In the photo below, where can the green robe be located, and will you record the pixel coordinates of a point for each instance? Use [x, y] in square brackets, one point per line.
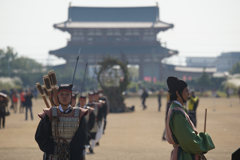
[184, 135]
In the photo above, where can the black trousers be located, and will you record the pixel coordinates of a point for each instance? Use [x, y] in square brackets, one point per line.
[2, 119]
[143, 103]
[193, 117]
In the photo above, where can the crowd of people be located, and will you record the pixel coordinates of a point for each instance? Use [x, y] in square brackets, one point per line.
[19, 101]
[74, 123]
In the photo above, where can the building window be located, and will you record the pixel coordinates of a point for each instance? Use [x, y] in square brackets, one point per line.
[149, 38]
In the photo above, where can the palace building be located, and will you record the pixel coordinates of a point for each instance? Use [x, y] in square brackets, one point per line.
[126, 33]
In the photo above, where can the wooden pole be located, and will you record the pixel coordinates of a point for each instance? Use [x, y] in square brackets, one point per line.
[45, 101]
[53, 80]
[84, 77]
[205, 120]
[47, 83]
[40, 89]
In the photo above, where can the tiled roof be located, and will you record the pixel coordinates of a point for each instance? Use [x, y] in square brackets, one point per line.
[113, 14]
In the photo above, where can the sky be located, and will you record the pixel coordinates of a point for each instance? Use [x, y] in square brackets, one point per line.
[201, 27]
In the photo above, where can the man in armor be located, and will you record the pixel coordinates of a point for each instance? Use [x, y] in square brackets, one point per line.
[82, 100]
[93, 126]
[62, 130]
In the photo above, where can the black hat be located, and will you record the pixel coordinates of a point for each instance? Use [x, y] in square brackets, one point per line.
[90, 93]
[65, 87]
[100, 91]
[82, 97]
[3, 95]
[174, 84]
[236, 154]
[95, 92]
[74, 94]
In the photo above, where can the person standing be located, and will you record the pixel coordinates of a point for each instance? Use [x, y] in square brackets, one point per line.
[144, 97]
[82, 100]
[228, 92]
[15, 101]
[192, 107]
[22, 101]
[188, 144]
[105, 108]
[28, 104]
[100, 117]
[239, 94]
[62, 131]
[159, 95]
[93, 123]
[3, 106]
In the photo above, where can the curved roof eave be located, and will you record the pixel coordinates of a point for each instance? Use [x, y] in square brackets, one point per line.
[67, 25]
[62, 52]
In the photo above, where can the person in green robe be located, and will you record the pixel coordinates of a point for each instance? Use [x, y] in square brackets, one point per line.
[188, 144]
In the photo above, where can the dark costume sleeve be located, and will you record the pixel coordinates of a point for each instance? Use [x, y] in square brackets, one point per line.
[100, 114]
[43, 136]
[91, 121]
[79, 140]
[105, 110]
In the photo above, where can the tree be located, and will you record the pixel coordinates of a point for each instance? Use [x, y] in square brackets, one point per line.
[28, 70]
[6, 60]
[113, 78]
[236, 68]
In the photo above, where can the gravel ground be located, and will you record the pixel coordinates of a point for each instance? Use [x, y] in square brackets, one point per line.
[131, 136]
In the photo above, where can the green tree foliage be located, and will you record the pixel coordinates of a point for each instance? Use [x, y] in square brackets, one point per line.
[26, 65]
[236, 68]
[7, 58]
[28, 70]
[206, 82]
[64, 74]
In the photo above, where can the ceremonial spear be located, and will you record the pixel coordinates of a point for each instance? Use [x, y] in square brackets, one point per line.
[205, 120]
[84, 77]
[73, 78]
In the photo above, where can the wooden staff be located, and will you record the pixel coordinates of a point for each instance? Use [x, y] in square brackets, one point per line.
[45, 90]
[75, 67]
[47, 83]
[48, 94]
[205, 120]
[84, 77]
[39, 87]
[53, 81]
